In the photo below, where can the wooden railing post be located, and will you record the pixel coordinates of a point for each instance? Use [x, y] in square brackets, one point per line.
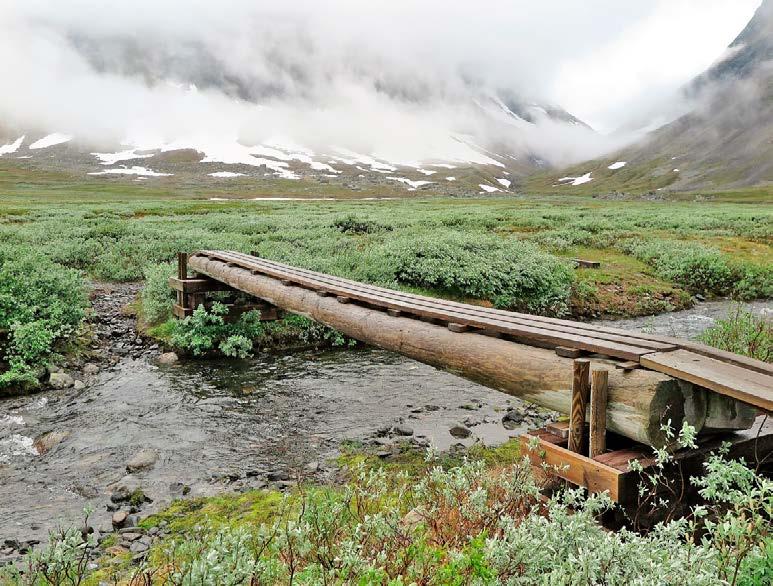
[580, 392]
[182, 274]
[598, 412]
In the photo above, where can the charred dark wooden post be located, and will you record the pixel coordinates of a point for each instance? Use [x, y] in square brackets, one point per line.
[598, 412]
[580, 392]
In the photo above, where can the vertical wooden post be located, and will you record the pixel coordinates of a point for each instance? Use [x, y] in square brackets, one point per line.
[182, 274]
[182, 265]
[580, 392]
[598, 412]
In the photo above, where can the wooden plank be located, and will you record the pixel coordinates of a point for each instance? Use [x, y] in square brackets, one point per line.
[627, 365]
[524, 332]
[727, 379]
[580, 391]
[559, 428]
[315, 279]
[587, 264]
[576, 468]
[197, 285]
[568, 352]
[598, 412]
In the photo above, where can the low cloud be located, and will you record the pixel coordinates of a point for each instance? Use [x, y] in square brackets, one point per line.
[400, 77]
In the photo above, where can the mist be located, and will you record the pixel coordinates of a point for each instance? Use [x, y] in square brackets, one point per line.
[399, 79]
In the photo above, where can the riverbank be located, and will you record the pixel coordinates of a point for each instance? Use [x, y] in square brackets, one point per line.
[199, 428]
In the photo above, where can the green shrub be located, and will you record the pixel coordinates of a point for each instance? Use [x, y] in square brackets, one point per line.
[157, 297]
[512, 274]
[742, 332]
[467, 524]
[696, 267]
[41, 305]
[207, 331]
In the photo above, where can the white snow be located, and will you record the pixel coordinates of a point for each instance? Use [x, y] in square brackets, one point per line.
[444, 165]
[113, 158]
[225, 174]
[577, 180]
[50, 140]
[618, 165]
[351, 158]
[488, 188]
[426, 172]
[450, 178]
[11, 147]
[676, 170]
[131, 171]
[413, 184]
[317, 166]
[504, 182]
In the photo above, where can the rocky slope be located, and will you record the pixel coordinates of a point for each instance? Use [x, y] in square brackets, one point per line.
[725, 142]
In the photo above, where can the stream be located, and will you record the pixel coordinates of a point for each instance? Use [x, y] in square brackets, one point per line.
[203, 427]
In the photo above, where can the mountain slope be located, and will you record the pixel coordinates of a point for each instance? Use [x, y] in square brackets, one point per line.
[724, 143]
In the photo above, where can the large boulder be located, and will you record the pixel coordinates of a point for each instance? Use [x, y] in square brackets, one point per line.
[60, 380]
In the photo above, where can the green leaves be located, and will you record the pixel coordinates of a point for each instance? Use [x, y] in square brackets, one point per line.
[206, 331]
[41, 305]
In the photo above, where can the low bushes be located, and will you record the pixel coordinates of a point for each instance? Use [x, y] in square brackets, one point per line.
[511, 274]
[41, 305]
[702, 269]
[467, 524]
[743, 333]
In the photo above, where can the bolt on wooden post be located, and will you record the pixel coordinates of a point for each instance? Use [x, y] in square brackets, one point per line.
[598, 412]
[580, 392]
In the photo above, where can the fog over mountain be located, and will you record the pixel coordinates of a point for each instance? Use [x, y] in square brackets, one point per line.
[404, 81]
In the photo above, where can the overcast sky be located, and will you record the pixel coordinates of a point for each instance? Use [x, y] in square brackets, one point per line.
[113, 66]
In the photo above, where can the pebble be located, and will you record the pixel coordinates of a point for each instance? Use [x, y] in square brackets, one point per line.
[119, 518]
[90, 369]
[142, 460]
[403, 430]
[60, 380]
[168, 358]
[460, 431]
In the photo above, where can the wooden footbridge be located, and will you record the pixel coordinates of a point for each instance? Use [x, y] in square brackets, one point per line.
[640, 381]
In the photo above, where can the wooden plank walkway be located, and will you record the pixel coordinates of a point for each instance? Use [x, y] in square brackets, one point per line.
[748, 380]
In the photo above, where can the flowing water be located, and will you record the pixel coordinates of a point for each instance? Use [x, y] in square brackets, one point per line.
[217, 425]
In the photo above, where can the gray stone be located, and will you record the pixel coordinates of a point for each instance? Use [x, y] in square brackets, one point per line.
[79, 385]
[60, 380]
[48, 441]
[142, 460]
[90, 369]
[460, 431]
[402, 430]
[168, 358]
[138, 547]
[119, 519]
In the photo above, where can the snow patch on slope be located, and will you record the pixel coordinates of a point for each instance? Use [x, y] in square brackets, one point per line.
[618, 165]
[11, 147]
[131, 171]
[577, 180]
[50, 140]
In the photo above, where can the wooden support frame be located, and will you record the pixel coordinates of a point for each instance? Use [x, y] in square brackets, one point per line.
[546, 448]
[598, 412]
[580, 393]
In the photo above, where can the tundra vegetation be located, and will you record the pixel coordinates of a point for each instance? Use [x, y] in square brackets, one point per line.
[476, 521]
[510, 253]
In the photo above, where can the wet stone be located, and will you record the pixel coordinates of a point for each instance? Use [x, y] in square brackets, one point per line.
[460, 431]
